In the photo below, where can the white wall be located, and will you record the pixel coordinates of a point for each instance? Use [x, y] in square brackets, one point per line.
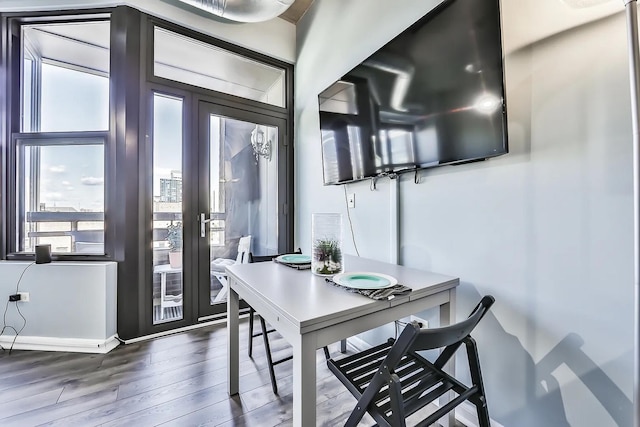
[546, 229]
[71, 307]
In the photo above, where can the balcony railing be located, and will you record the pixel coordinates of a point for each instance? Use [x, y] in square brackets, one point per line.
[83, 232]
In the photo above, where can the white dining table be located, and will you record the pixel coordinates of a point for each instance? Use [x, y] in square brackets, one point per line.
[311, 313]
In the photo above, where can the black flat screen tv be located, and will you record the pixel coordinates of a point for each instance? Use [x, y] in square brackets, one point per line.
[432, 96]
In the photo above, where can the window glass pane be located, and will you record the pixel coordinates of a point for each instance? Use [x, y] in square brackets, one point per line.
[65, 83]
[73, 100]
[167, 208]
[190, 61]
[243, 185]
[62, 186]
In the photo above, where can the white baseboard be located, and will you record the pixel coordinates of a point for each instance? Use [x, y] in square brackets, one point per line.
[76, 345]
[467, 415]
[177, 330]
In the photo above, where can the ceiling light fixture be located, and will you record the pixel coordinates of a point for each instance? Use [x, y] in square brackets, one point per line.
[243, 10]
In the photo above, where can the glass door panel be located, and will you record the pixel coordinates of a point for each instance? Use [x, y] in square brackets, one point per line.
[167, 241]
[241, 201]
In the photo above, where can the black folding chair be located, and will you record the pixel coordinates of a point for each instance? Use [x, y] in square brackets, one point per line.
[265, 332]
[392, 381]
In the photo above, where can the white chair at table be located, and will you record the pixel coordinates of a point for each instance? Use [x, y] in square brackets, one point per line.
[218, 266]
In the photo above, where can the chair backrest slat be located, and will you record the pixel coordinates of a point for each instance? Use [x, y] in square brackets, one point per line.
[244, 248]
[433, 338]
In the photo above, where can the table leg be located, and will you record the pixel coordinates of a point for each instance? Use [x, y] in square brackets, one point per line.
[163, 292]
[304, 381]
[233, 343]
[448, 317]
[343, 346]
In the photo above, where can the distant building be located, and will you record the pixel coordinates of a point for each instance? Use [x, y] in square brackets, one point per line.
[171, 188]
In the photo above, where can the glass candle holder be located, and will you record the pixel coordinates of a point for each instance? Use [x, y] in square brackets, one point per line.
[326, 240]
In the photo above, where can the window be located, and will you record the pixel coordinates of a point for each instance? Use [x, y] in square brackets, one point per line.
[190, 61]
[61, 186]
[167, 208]
[65, 83]
[60, 152]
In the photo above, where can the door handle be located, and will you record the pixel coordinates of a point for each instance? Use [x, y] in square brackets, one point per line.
[203, 224]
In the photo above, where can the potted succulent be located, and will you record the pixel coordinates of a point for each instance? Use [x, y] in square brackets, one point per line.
[326, 238]
[174, 239]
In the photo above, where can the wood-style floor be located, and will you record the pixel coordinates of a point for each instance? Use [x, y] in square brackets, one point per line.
[178, 380]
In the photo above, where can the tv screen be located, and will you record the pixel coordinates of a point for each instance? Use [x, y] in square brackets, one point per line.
[434, 95]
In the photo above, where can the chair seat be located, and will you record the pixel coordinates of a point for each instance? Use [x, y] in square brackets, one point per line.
[218, 265]
[170, 297]
[417, 376]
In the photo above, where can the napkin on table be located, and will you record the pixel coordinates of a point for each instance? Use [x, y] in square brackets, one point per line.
[377, 294]
[305, 266]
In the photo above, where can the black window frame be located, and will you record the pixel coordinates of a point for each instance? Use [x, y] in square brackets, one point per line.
[49, 139]
[11, 76]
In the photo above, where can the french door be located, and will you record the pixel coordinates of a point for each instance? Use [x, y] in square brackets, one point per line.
[227, 185]
[238, 194]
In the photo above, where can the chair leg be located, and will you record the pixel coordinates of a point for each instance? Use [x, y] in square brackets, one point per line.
[222, 295]
[343, 349]
[327, 356]
[267, 349]
[395, 394]
[476, 378]
[251, 312]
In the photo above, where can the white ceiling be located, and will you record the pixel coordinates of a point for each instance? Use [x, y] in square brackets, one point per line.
[84, 44]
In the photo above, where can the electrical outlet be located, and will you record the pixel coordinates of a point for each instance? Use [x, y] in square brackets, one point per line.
[351, 200]
[423, 323]
[24, 296]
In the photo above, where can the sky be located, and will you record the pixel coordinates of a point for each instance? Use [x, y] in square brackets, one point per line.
[167, 138]
[73, 176]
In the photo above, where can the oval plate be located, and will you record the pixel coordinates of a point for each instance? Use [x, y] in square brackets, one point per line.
[364, 280]
[294, 259]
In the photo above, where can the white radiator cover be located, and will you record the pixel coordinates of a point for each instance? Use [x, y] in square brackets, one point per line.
[72, 305]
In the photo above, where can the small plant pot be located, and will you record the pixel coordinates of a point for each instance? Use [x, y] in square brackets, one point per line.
[175, 259]
[326, 254]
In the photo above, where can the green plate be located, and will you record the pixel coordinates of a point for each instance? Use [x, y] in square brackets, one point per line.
[364, 280]
[294, 259]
